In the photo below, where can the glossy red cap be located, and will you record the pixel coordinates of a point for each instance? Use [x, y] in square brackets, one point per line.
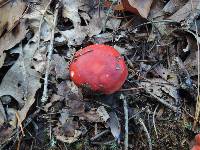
[99, 67]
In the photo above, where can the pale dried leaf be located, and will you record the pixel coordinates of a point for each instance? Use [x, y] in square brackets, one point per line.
[64, 116]
[143, 6]
[185, 11]
[10, 39]
[39, 61]
[70, 11]
[35, 17]
[173, 5]
[166, 74]
[2, 114]
[77, 35]
[21, 81]
[14, 11]
[59, 66]
[11, 116]
[69, 139]
[103, 113]
[74, 36]
[114, 125]
[160, 87]
[2, 58]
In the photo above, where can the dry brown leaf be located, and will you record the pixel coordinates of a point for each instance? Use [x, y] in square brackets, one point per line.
[143, 6]
[11, 12]
[10, 39]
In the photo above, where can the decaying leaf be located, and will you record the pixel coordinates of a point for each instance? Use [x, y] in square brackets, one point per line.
[143, 6]
[167, 74]
[22, 81]
[160, 87]
[68, 131]
[5, 133]
[78, 108]
[63, 138]
[103, 113]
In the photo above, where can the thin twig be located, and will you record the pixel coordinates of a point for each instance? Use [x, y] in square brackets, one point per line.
[163, 102]
[147, 133]
[50, 51]
[126, 122]
[99, 135]
[40, 24]
[131, 89]
[20, 123]
[154, 124]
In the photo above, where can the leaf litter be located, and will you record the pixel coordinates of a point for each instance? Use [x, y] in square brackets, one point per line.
[158, 40]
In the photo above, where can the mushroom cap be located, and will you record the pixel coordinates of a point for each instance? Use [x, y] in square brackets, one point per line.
[99, 67]
[196, 147]
[197, 139]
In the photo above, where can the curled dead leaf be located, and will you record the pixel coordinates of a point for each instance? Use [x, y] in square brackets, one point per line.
[138, 6]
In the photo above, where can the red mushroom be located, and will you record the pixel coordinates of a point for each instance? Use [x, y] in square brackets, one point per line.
[99, 67]
[197, 143]
[196, 147]
[197, 139]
